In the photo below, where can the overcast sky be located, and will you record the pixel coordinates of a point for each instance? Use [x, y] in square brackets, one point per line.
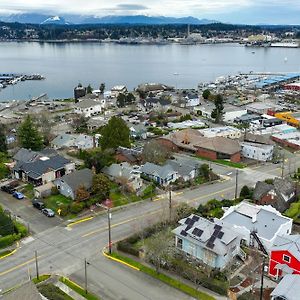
[234, 11]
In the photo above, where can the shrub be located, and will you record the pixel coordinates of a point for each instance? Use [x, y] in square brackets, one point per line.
[21, 229]
[54, 191]
[8, 240]
[6, 225]
[53, 292]
[64, 209]
[76, 207]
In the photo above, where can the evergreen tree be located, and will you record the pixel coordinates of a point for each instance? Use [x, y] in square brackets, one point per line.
[28, 135]
[218, 110]
[114, 134]
[89, 89]
[121, 100]
[3, 144]
[102, 88]
[206, 94]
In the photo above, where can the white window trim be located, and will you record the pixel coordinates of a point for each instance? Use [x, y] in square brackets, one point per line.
[286, 256]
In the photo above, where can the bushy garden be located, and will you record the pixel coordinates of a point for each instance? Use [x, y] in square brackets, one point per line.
[10, 230]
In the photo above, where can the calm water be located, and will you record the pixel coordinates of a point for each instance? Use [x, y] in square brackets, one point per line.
[65, 65]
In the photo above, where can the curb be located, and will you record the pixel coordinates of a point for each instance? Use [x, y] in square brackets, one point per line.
[118, 260]
[80, 221]
[12, 252]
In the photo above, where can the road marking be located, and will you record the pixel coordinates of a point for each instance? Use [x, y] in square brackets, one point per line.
[178, 193]
[80, 221]
[12, 252]
[119, 260]
[18, 266]
[120, 223]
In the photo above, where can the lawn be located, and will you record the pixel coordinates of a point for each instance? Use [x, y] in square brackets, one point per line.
[54, 201]
[224, 162]
[41, 278]
[27, 190]
[119, 198]
[52, 292]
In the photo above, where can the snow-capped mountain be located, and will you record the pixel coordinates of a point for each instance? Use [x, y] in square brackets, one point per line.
[55, 20]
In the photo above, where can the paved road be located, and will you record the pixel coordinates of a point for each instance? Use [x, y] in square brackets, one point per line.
[62, 250]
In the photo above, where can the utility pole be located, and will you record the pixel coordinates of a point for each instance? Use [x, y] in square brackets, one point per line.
[236, 183]
[262, 279]
[36, 266]
[85, 276]
[109, 230]
[170, 203]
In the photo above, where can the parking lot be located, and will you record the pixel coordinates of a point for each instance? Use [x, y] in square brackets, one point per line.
[33, 217]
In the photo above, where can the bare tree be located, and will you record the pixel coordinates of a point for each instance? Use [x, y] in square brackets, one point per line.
[155, 152]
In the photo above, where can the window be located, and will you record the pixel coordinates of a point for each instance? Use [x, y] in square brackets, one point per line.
[286, 258]
[179, 243]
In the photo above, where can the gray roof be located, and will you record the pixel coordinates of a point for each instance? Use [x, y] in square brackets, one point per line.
[261, 189]
[37, 168]
[26, 291]
[87, 103]
[290, 243]
[284, 186]
[207, 234]
[118, 170]
[156, 170]
[78, 178]
[256, 217]
[288, 288]
[183, 166]
[26, 155]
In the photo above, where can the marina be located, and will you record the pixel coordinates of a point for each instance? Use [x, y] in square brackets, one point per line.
[12, 78]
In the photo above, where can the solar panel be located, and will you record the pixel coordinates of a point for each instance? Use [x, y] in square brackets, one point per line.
[212, 239]
[184, 233]
[215, 233]
[195, 231]
[218, 227]
[220, 234]
[199, 232]
[195, 218]
[210, 245]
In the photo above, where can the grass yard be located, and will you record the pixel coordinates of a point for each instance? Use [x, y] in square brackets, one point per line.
[225, 162]
[27, 190]
[119, 198]
[54, 201]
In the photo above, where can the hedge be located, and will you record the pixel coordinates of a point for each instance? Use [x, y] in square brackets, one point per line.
[21, 229]
[8, 240]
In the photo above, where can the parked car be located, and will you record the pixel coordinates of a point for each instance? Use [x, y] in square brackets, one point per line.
[18, 195]
[38, 204]
[48, 212]
[8, 189]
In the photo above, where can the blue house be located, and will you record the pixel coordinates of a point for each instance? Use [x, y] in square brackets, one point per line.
[212, 243]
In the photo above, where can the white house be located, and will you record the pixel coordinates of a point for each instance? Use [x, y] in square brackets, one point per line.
[264, 220]
[77, 141]
[118, 89]
[89, 107]
[255, 151]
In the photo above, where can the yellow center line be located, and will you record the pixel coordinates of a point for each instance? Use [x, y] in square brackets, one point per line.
[18, 266]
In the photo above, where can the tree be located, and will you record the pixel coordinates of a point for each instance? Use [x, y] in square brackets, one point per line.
[44, 124]
[3, 144]
[89, 89]
[245, 192]
[130, 98]
[6, 224]
[218, 110]
[155, 152]
[204, 171]
[102, 87]
[98, 159]
[116, 133]
[82, 194]
[80, 124]
[101, 186]
[205, 94]
[121, 100]
[28, 135]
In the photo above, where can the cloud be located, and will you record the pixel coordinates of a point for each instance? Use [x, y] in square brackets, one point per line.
[131, 7]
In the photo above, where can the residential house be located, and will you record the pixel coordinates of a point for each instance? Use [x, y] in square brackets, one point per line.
[279, 194]
[125, 174]
[260, 152]
[76, 141]
[285, 256]
[265, 221]
[138, 131]
[89, 107]
[42, 169]
[287, 289]
[130, 155]
[190, 100]
[153, 87]
[157, 104]
[118, 89]
[213, 244]
[70, 183]
[163, 175]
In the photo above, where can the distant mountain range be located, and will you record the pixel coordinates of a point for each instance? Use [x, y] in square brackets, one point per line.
[30, 18]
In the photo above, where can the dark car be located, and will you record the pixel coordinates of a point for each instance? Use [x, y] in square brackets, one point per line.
[48, 212]
[8, 189]
[38, 204]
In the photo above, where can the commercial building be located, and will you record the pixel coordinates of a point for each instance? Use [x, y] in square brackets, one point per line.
[89, 107]
[291, 139]
[295, 86]
[118, 89]
[256, 151]
[224, 131]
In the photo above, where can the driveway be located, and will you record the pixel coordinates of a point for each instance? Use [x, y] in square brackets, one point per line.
[34, 218]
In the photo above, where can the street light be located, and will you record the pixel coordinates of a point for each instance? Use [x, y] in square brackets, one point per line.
[109, 225]
[85, 275]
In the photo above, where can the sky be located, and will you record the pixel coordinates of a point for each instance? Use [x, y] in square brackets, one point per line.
[233, 11]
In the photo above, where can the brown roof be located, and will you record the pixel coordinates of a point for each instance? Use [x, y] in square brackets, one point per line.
[185, 138]
[219, 144]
